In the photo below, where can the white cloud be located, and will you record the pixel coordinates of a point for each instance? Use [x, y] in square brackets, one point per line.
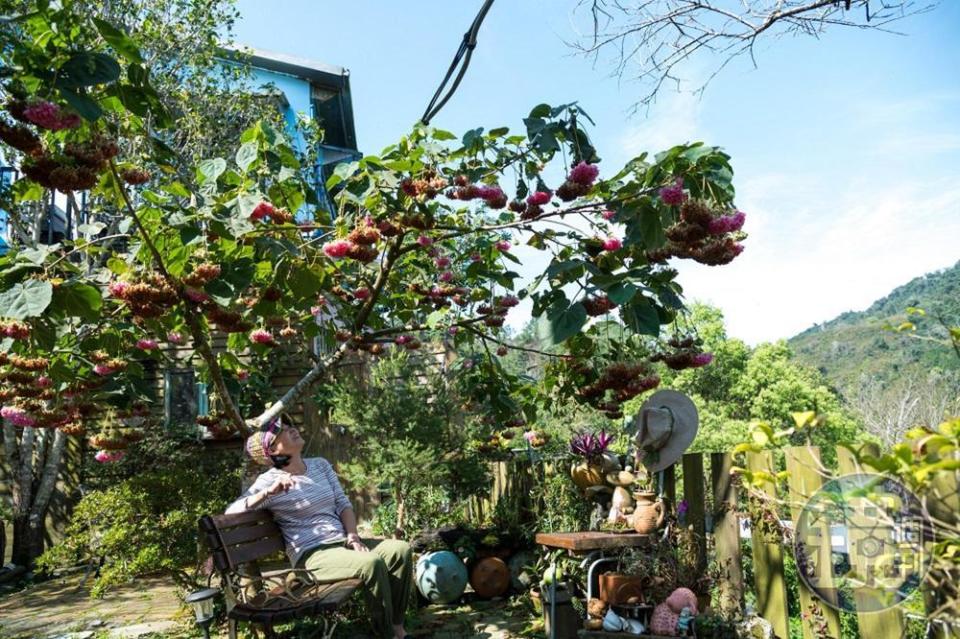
[675, 119]
[810, 257]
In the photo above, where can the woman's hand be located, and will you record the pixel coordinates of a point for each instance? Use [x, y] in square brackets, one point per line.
[355, 543]
[282, 485]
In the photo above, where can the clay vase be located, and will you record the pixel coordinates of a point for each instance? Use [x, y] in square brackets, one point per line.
[648, 514]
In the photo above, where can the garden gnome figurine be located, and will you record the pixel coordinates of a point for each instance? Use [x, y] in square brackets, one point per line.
[622, 505]
[683, 623]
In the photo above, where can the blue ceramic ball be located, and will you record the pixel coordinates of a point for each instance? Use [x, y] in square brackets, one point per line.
[441, 576]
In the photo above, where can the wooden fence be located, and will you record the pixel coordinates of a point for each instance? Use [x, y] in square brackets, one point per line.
[715, 507]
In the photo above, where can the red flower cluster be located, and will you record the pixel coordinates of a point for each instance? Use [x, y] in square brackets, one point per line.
[147, 297]
[624, 381]
[702, 235]
[598, 305]
[466, 191]
[135, 176]
[77, 169]
[14, 330]
[686, 353]
[428, 186]
[202, 274]
[45, 115]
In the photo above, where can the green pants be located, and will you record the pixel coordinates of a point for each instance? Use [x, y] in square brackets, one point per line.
[386, 572]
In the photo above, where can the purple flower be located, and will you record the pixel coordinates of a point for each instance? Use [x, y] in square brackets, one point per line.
[590, 446]
[701, 359]
[673, 195]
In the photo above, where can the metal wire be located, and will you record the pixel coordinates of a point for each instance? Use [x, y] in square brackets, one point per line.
[464, 54]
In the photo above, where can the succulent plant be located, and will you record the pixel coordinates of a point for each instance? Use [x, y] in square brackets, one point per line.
[590, 446]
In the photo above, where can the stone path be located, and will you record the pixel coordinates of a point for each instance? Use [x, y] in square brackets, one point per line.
[59, 609]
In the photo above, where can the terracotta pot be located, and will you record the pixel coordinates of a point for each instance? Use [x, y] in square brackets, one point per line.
[618, 589]
[648, 513]
[490, 577]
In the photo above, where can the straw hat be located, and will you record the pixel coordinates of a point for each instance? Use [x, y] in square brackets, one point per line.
[665, 427]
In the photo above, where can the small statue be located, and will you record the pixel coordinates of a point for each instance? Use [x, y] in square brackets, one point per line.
[622, 504]
[683, 623]
[666, 617]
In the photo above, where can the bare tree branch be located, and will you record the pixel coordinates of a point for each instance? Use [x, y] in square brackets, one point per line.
[651, 40]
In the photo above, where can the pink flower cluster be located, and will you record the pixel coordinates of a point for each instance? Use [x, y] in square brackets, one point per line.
[727, 223]
[243, 374]
[118, 289]
[491, 193]
[701, 359]
[612, 244]
[17, 416]
[403, 339]
[362, 293]
[104, 369]
[337, 248]
[109, 456]
[446, 276]
[49, 116]
[424, 241]
[44, 382]
[673, 195]
[174, 337]
[608, 215]
[503, 245]
[147, 344]
[195, 295]
[262, 336]
[538, 198]
[262, 211]
[442, 262]
[508, 301]
[15, 330]
[584, 173]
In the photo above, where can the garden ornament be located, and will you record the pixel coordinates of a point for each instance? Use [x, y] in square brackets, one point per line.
[622, 504]
[665, 428]
[441, 577]
[612, 622]
[683, 624]
[666, 616]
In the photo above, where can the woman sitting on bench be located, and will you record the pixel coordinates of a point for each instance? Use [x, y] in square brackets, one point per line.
[320, 528]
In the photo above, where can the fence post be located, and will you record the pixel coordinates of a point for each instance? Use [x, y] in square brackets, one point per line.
[889, 622]
[726, 532]
[768, 575]
[806, 477]
[942, 499]
[694, 493]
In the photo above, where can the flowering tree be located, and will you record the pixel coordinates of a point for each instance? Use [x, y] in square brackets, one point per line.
[420, 245]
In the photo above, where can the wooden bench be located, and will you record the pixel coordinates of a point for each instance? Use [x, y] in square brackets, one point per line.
[238, 542]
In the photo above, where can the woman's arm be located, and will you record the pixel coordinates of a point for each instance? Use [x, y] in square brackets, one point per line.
[261, 490]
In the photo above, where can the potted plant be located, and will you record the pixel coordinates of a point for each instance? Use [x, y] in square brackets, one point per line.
[594, 461]
[713, 626]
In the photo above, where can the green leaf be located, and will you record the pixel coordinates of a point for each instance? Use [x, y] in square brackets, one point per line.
[87, 69]
[641, 316]
[210, 170]
[434, 318]
[246, 155]
[568, 323]
[441, 135]
[83, 105]
[29, 299]
[304, 282]
[37, 255]
[78, 300]
[622, 293]
[120, 41]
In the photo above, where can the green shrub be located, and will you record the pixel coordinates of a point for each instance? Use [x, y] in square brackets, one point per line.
[146, 521]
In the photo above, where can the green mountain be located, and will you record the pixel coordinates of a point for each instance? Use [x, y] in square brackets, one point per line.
[858, 344]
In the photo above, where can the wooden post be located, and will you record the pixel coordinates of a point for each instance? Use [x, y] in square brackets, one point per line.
[768, 575]
[726, 532]
[942, 499]
[889, 622]
[803, 463]
[694, 492]
[669, 488]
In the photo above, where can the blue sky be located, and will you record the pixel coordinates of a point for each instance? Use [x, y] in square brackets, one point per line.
[846, 149]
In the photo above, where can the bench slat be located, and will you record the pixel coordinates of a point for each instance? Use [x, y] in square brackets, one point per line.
[246, 534]
[244, 553]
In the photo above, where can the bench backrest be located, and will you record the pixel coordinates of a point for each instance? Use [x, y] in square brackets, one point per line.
[241, 538]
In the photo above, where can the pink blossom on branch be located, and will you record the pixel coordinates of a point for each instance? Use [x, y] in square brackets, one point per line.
[17, 416]
[503, 245]
[727, 223]
[109, 456]
[262, 336]
[446, 276]
[147, 344]
[424, 241]
[673, 195]
[701, 359]
[612, 244]
[174, 338]
[538, 198]
[584, 173]
[337, 248]
[48, 115]
[442, 262]
[608, 215]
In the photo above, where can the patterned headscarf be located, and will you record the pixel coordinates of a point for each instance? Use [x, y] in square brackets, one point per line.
[258, 444]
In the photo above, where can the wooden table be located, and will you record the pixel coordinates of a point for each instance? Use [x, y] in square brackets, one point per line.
[580, 543]
[594, 545]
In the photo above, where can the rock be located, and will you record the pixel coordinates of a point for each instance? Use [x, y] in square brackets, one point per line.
[755, 628]
[161, 628]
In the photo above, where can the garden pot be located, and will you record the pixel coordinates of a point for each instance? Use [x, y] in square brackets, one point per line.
[648, 513]
[618, 589]
[593, 473]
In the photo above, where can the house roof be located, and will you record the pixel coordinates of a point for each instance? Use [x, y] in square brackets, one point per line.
[325, 74]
